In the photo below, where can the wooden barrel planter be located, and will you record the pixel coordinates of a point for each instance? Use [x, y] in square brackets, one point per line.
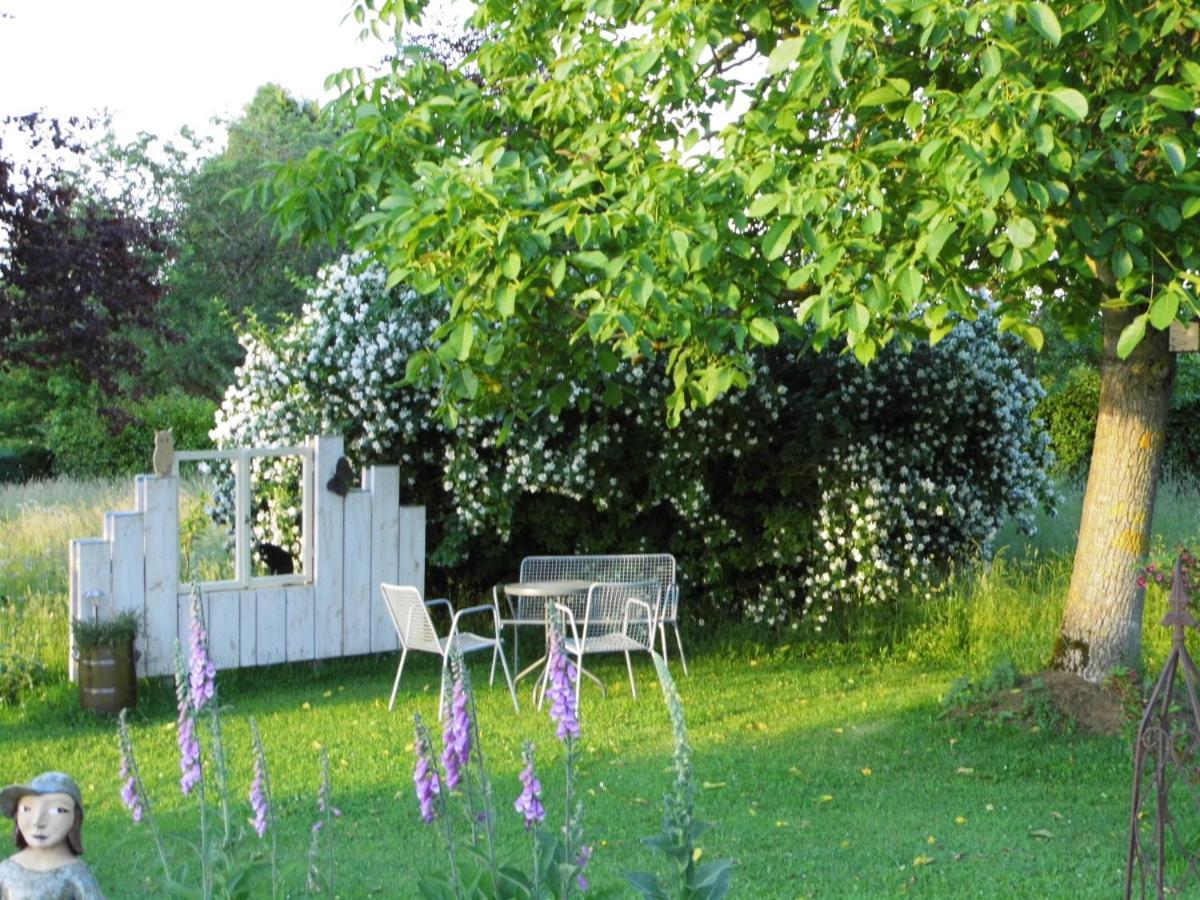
[106, 662]
[107, 678]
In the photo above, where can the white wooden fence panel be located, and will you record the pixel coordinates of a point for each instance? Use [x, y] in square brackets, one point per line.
[248, 623]
[92, 562]
[356, 575]
[270, 627]
[358, 542]
[412, 548]
[329, 524]
[384, 485]
[301, 622]
[125, 534]
[223, 611]
[158, 501]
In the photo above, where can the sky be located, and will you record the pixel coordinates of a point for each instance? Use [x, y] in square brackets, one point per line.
[159, 64]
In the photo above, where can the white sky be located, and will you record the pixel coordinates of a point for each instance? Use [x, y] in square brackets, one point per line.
[159, 64]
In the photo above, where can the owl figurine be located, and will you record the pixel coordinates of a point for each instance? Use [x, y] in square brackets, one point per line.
[164, 453]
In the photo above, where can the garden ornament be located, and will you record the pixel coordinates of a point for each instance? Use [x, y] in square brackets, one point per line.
[48, 817]
[164, 453]
[343, 477]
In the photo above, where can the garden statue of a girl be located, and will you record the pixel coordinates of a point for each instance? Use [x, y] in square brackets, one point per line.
[48, 814]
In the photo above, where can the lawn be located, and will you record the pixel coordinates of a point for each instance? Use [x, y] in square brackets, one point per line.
[828, 769]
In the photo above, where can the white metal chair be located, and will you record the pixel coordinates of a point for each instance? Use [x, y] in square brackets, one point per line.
[618, 617]
[658, 567]
[668, 614]
[416, 631]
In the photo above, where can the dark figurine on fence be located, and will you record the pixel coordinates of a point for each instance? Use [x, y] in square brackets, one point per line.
[343, 477]
[277, 560]
[48, 826]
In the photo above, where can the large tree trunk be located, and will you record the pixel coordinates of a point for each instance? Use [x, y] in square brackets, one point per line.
[1102, 624]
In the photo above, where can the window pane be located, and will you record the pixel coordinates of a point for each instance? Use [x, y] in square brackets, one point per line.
[206, 504]
[276, 515]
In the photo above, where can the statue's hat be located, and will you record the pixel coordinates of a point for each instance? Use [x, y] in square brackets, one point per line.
[46, 783]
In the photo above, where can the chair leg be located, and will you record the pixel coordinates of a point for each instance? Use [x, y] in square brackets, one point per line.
[396, 683]
[442, 688]
[629, 666]
[512, 688]
[495, 652]
[662, 633]
[578, 681]
[678, 643]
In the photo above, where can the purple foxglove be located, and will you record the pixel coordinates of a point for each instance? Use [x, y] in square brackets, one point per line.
[426, 780]
[561, 690]
[529, 803]
[457, 736]
[201, 670]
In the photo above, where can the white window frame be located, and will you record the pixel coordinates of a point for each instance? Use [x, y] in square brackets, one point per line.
[241, 457]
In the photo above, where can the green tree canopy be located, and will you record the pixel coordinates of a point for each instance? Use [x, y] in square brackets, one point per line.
[886, 163]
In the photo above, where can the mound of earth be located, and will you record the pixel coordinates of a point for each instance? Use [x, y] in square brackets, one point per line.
[1055, 699]
[1095, 709]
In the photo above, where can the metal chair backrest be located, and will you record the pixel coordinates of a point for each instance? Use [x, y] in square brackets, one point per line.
[659, 567]
[608, 604]
[410, 615]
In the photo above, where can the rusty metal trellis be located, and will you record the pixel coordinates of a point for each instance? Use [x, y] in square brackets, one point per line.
[1164, 818]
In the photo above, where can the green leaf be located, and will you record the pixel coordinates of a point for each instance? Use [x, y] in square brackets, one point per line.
[908, 283]
[761, 173]
[1021, 232]
[764, 331]
[864, 350]
[880, 96]
[1068, 102]
[777, 238]
[1174, 98]
[506, 299]
[459, 342]
[1044, 21]
[858, 317]
[989, 61]
[557, 271]
[1174, 153]
[1131, 336]
[1164, 309]
[511, 266]
[679, 245]
[592, 259]
[1191, 206]
[937, 240]
[643, 287]
[784, 55]
[763, 205]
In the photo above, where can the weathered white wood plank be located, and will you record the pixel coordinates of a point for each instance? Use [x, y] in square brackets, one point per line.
[158, 501]
[223, 610]
[328, 527]
[91, 586]
[126, 534]
[384, 484]
[248, 623]
[412, 548]
[301, 618]
[270, 626]
[356, 575]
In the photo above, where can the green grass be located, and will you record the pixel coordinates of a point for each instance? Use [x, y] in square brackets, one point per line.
[827, 768]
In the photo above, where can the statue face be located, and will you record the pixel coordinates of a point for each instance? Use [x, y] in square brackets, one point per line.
[45, 819]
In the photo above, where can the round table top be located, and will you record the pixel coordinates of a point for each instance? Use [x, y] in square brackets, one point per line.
[558, 588]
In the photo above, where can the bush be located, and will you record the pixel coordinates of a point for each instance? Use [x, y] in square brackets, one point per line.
[821, 484]
[80, 437]
[1069, 412]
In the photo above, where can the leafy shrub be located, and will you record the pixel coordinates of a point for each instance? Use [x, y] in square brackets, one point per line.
[115, 632]
[19, 675]
[1069, 413]
[78, 430]
[820, 484]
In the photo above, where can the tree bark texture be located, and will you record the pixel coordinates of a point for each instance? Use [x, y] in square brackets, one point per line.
[1102, 624]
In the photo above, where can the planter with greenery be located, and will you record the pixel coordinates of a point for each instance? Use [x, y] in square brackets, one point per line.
[104, 650]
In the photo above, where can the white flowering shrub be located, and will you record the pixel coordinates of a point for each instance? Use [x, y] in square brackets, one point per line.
[820, 485]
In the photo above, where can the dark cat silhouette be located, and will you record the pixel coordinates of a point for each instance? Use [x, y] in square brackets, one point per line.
[343, 477]
[278, 561]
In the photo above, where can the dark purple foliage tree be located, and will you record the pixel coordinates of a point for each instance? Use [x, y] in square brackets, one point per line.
[79, 274]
